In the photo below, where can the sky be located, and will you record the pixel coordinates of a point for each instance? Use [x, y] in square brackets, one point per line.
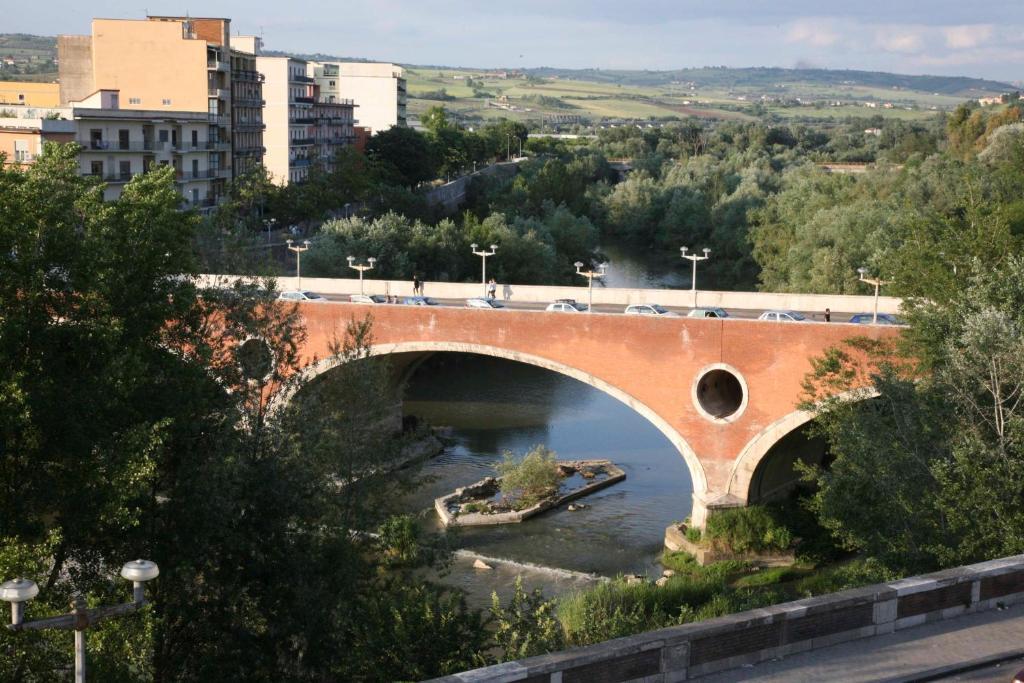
[983, 38]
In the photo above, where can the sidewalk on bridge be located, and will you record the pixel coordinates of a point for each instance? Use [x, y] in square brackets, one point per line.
[929, 652]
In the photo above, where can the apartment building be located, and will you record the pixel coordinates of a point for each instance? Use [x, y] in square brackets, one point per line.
[288, 114]
[333, 128]
[117, 144]
[162, 64]
[379, 90]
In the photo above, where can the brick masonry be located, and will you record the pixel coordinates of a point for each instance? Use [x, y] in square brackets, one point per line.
[686, 652]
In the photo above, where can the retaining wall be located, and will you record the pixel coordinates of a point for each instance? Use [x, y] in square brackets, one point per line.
[682, 653]
[602, 295]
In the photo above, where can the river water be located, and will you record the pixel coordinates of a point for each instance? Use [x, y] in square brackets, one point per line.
[487, 406]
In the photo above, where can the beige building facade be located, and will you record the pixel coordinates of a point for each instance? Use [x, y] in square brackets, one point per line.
[169, 64]
[23, 93]
[378, 90]
[288, 114]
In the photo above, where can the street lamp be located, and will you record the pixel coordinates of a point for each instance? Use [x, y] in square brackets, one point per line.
[20, 591]
[694, 258]
[298, 259]
[590, 275]
[508, 146]
[877, 282]
[361, 268]
[483, 255]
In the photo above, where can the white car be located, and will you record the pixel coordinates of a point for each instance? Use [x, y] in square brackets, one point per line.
[650, 309]
[299, 295]
[484, 302]
[566, 306]
[782, 316]
[367, 299]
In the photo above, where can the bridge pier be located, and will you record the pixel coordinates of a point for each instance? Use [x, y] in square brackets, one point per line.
[708, 503]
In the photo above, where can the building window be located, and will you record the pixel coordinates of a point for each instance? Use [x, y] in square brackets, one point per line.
[96, 168]
[125, 170]
[21, 98]
[166, 102]
[134, 100]
[162, 133]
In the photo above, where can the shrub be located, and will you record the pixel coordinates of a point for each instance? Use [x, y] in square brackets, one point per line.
[528, 626]
[531, 479]
[399, 541]
[693, 534]
[747, 529]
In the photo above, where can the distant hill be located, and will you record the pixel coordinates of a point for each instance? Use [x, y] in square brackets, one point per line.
[765, 78]
[36, 55]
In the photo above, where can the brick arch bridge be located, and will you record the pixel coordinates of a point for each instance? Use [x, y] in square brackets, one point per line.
[658, 366]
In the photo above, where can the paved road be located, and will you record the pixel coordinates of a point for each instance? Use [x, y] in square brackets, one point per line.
[748, 314]
[989, 643]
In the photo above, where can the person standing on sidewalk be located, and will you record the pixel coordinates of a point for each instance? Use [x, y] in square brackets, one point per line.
[828, 316]
[416, 287]
[492, 288]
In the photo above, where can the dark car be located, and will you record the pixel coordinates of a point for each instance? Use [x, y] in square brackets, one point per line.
[883, 319]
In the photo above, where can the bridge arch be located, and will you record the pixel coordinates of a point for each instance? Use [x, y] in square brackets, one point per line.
[693, 464]
[741, 476]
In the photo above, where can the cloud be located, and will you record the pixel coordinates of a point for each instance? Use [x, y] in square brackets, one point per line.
[905, 39]
[814, 32]
[967, 35]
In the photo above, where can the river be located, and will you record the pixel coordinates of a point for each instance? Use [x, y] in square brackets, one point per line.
[487, 406]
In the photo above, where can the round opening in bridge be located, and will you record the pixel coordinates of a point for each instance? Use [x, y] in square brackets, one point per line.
[255, 359]
[719, 393]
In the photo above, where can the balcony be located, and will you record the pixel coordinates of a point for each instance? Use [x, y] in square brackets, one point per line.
[303, 119]
[217, 65]
[302, 100]
[299, 163]
[219, 119]
[190, 176]
[115, 178]
[219, 93]
[250, 125]
[254, 150]
[248, 102]
[251, 76]
[118, 146]
[300, 79]
[301, 142]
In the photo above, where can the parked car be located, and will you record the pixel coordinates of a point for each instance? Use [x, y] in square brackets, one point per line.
[883, 319]
[650, 309]
[566, 306]
[419, 301]
[782, 316]
[368, 299]
[484, 302]
[299, 295]
[708, 313]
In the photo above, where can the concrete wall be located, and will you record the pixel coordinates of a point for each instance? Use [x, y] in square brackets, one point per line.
[453, 194]
[606, 295]
[685, 652]
[75, 68]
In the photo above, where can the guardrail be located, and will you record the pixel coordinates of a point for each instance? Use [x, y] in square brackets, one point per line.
[737, 640]
[681, 298]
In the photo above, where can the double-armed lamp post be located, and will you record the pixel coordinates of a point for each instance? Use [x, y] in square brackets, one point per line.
[694, 258]
[590, 275]
[298, 259]
[483, 255]
[19, 591]
[370, 262]
[877, 282]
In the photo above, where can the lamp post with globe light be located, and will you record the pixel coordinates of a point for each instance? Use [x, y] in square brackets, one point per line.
[483, 255]
[590, 275]
[298, 260]
[370, 262]
[877, 282]
[19, 591]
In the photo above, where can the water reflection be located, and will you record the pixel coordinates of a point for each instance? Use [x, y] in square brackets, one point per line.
[489, 405]
[633, 268]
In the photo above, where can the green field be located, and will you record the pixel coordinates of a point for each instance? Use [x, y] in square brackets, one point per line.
[595, 101]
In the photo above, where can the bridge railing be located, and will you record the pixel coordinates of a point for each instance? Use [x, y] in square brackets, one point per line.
[602, 295]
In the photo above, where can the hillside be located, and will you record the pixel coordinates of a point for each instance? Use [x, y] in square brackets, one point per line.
[561, 97]
[25, 57]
